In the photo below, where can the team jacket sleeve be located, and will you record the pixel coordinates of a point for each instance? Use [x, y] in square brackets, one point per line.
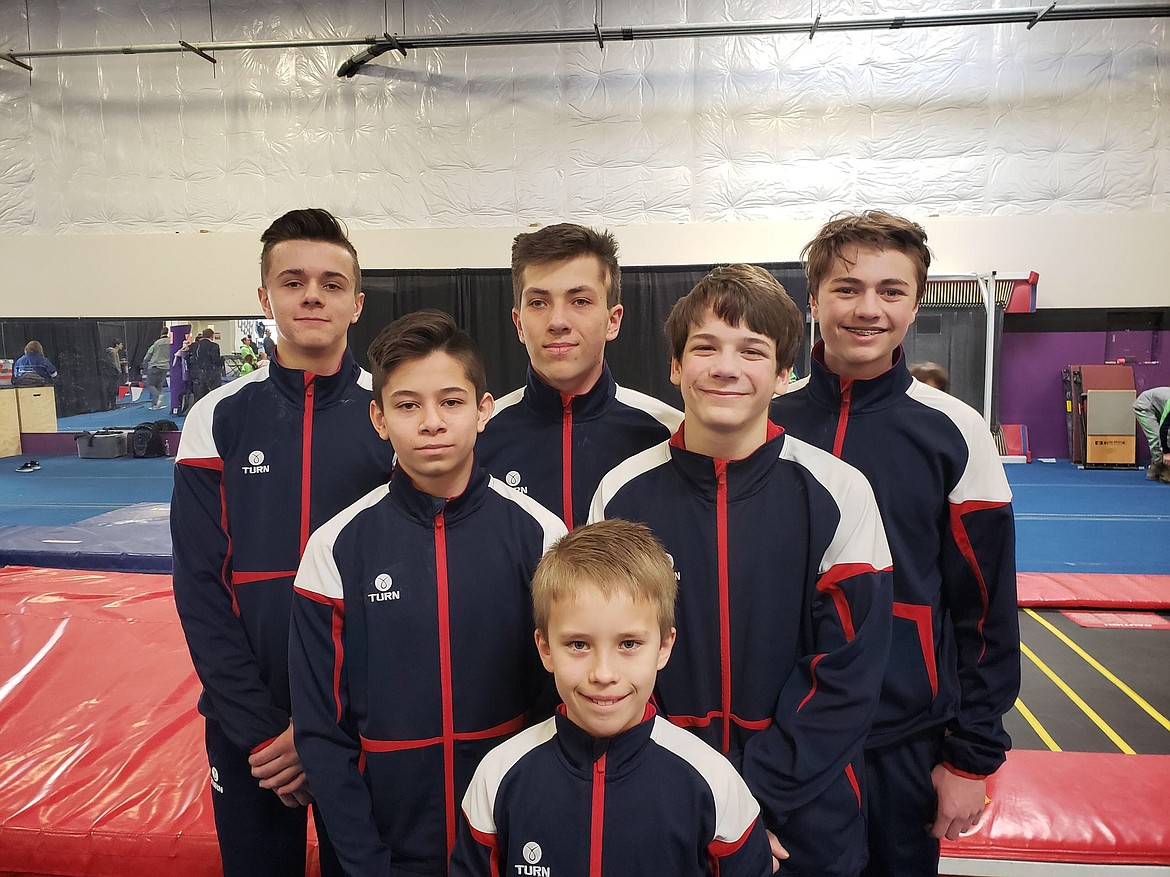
[326, 739]
[827, 704]
[219, 646]
[979, 588]
[477, 849]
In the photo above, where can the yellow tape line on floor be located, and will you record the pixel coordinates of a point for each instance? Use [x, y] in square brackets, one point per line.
[1031, 719]
[1076, 698]
[1096, 665]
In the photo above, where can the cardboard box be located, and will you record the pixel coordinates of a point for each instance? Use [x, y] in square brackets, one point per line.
[1112, 449]
[101, 445]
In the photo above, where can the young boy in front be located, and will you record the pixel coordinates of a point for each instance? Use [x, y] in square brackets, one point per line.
[784, 582]
[409, 649]
[606, 788]
[262, 462]
[570, 423]
[954, 666]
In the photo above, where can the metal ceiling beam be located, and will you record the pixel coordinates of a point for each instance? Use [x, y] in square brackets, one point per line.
[377, 44]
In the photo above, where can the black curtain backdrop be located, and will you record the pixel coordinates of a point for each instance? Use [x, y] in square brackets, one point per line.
[480, 300]
[74, 346]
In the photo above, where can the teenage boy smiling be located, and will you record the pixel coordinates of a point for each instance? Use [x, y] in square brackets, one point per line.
[954, 666]
[571, 423]
[409, 649]
[784, 583]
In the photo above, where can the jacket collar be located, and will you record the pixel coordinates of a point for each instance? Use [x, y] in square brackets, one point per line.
[423, 507]
[744, 476]
[293, 383]
[827, 388]
[550, 403]
[581, 750]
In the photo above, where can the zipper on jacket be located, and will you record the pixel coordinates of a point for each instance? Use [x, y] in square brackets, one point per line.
[567, 459]
[724, 601]
[445, 678]
[597, 817]
[842, 417]
[306, 460]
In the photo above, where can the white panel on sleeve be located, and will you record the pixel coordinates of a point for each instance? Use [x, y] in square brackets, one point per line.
[480, 799]
[196, 441]
[624, 472]
[553, 527]
[318, 573]
[507, 401]
[983, 479]
[669, 417]
[735, 808]
[860, 536]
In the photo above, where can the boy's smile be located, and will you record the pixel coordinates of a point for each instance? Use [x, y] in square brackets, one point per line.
[605, 656]
[727, 377]
[864, 307]
[430, 414]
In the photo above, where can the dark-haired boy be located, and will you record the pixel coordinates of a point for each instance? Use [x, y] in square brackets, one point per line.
[954, 666]
[262, 462]
[606, 787]
[570, 423]
[784, 581]
[409, 646]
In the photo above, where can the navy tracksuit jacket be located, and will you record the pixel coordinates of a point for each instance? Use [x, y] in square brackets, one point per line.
[954, 653]
[556, 448]
[783, 624]
[653, 800]
[262, 462]
[412, 655]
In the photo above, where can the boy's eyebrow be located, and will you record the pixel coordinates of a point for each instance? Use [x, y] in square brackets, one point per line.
[398, 393]
[300, 272]
[888, 281]
[750, 339]
[537, 290]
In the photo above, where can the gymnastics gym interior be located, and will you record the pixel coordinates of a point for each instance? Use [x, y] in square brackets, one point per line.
[144, 147]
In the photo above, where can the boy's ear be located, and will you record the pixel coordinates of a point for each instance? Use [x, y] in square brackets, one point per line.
[544, 649]
[665, 649]
[378, 418]
[486, 406]
[675, 372]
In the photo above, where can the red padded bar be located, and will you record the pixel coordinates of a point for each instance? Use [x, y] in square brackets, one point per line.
[1093, 590]
[1074, 807]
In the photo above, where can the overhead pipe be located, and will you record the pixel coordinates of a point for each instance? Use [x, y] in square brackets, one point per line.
[380, 44]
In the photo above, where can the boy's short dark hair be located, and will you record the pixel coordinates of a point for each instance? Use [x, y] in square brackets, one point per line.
[566, 240]
[418, 335]
[932, 373]
[310, 224]
[613, 556]
[871, 228]
[740, 294]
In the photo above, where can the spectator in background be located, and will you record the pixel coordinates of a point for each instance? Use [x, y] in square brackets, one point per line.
[154, 367]
[269, 344]
[1152, 409]
[204, 365]
[33, 369]
[111, 374]
[933, 374]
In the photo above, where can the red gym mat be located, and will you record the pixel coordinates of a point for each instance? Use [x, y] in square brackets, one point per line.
[1093, 590]
[101, 746]
[1072, 807]
[1148, 620]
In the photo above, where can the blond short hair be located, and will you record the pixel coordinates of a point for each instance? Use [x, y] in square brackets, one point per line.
[613, 556]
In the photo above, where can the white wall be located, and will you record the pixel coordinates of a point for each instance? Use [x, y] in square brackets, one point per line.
[1102, 260]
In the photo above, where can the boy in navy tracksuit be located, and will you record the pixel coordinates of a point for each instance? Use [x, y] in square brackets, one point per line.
[954, 657]
[262, 462]
[784, 581]
[409, 646]
[606, 787]
[571, 423]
